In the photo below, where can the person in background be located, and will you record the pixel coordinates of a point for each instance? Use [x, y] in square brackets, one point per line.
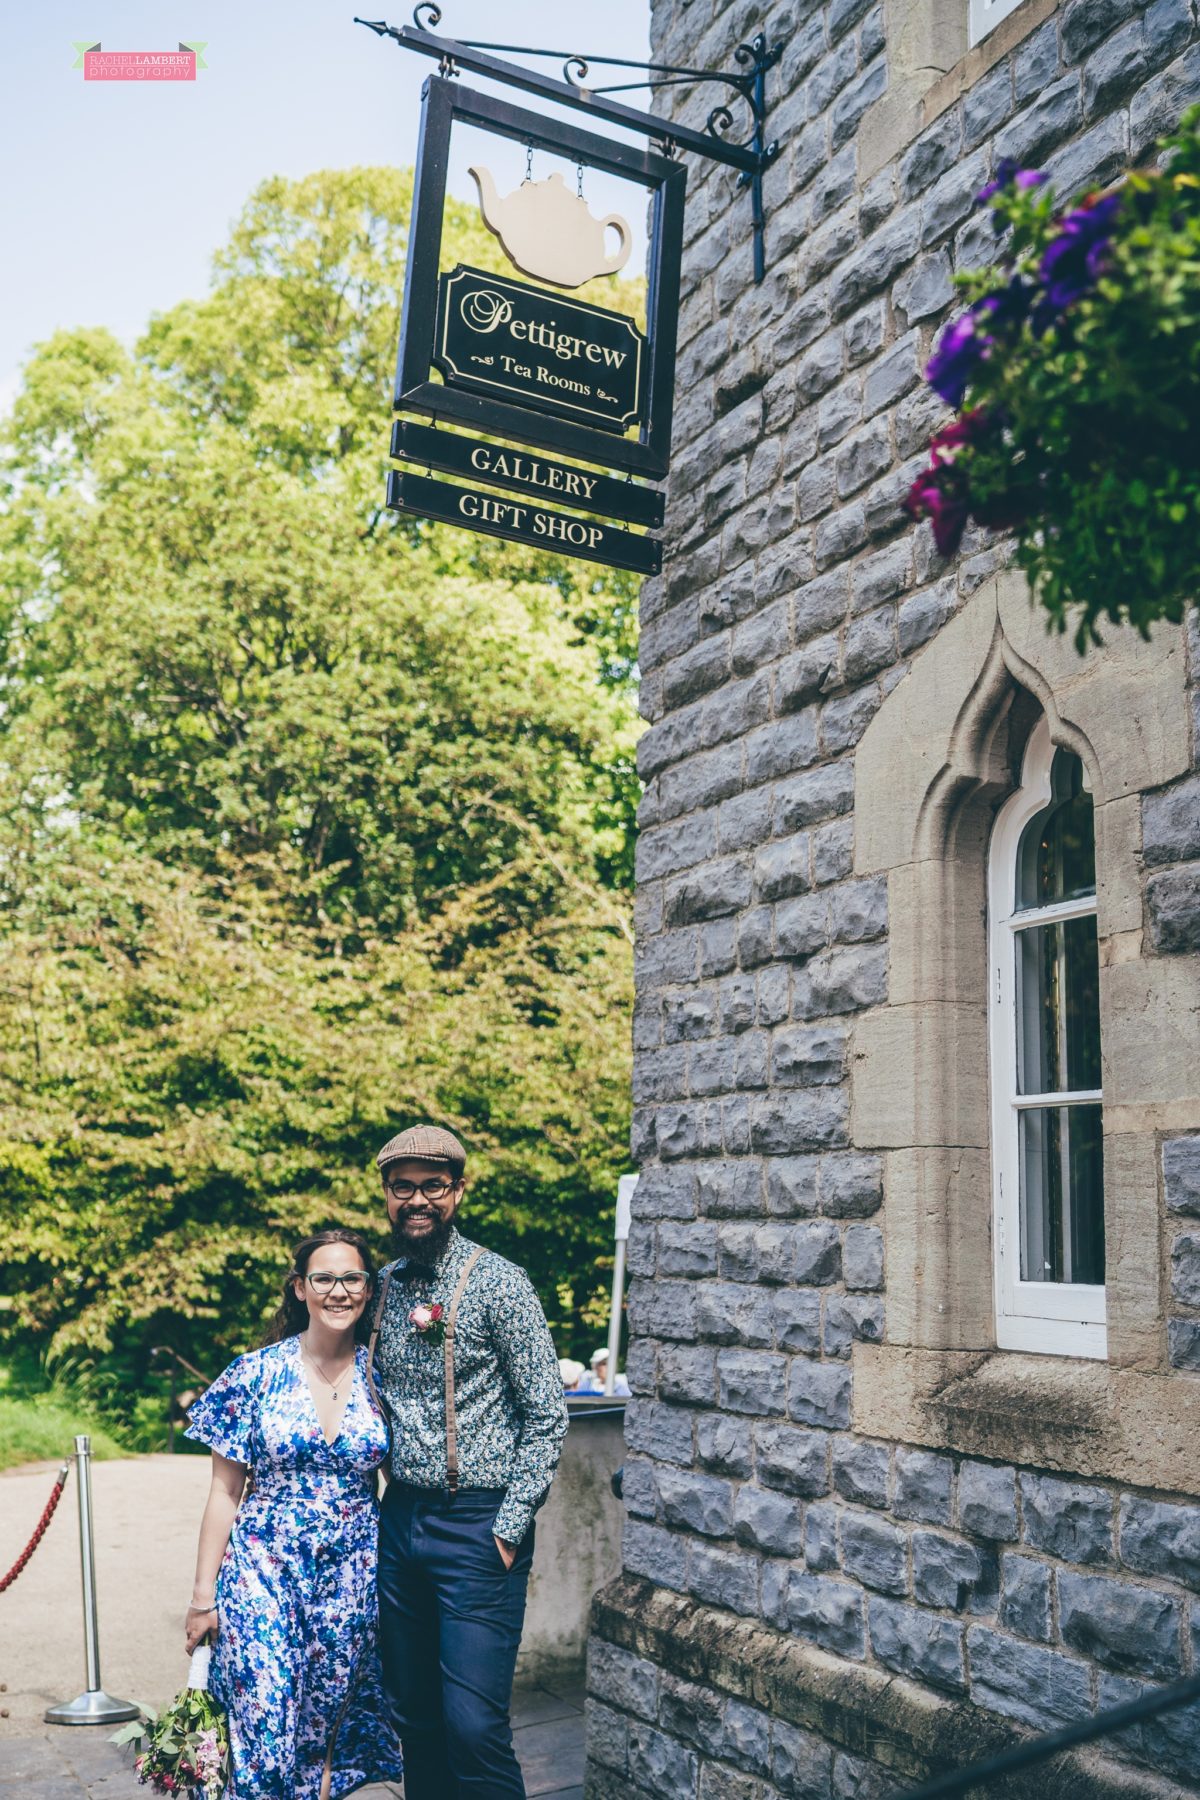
[594, 1381]
[571, 1374]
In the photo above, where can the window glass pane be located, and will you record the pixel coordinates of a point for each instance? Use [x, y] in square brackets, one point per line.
[1057, 857]
[1058, 1007]
[1062, 1194]
[984, 15]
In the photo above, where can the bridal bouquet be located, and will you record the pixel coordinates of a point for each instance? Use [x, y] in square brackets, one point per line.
[1075, 377]
[187, 1744]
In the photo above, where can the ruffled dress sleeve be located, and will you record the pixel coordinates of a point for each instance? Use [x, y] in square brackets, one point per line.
[225, 1417]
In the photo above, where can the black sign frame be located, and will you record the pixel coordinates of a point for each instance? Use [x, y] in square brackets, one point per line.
[460, 335]
[523, 522]
[522, 470]
[444, 101]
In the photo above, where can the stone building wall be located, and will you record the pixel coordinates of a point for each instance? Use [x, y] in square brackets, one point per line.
[861, 1545]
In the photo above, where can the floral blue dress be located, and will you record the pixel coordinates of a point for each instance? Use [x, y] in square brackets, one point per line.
[295, 1664]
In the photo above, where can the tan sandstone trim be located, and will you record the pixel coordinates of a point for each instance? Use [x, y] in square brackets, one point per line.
[932, 768]
[1077, 1417]
[861, 1709]
[930, 66]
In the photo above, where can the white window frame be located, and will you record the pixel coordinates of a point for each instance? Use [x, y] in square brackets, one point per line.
[985, 15]
[1054, 1318]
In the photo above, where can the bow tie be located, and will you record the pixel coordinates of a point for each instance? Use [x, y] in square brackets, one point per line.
[414, 1272]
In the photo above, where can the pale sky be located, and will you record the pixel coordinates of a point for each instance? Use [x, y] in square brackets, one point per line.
[116, 194]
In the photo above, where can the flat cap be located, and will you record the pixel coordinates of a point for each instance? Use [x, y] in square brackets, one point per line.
[422, 1143]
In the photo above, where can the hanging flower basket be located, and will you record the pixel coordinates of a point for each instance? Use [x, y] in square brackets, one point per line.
[1075, 374]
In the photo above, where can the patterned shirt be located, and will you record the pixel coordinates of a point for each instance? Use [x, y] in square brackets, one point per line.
[508, 1394]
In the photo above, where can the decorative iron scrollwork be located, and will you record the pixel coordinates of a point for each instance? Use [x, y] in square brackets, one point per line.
[750, 155]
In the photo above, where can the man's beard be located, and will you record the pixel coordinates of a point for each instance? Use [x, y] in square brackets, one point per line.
[426, 1247]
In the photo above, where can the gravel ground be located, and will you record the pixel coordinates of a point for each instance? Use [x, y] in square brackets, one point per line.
[147, 1513]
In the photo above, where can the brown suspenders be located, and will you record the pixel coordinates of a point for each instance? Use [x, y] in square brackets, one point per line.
[376, 1322]
[448, 1347]
[448, 1355]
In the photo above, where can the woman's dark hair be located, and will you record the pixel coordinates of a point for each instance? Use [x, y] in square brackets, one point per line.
[292, 1316]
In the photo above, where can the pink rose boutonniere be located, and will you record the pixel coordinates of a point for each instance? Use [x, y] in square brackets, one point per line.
[429, 1322]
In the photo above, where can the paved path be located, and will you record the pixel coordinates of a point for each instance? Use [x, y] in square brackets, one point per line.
[78, 1763]
[147, 1513]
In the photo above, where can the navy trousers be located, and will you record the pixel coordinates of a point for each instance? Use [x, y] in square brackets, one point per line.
[450, 1618]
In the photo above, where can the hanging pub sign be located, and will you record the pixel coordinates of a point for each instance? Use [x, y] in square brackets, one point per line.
[525, 471]
[532, 365]
[568, 377]
[523, 522]
[515, 342]
[528, 364]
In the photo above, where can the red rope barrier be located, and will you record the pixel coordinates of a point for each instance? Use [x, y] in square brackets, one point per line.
[40, 1532]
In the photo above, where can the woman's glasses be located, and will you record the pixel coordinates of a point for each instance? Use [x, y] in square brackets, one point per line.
[324, 1283]
[436, 1188]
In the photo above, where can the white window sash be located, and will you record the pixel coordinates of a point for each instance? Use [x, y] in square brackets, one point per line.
[1029, 916]
[1074, 1097]
[1053, 1318]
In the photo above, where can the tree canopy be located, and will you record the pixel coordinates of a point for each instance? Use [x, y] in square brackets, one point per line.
[312, 818]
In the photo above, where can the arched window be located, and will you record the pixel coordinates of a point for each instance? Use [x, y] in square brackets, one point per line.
[1047, 1117]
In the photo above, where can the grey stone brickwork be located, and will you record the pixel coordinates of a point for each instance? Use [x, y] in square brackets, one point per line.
[795, 598]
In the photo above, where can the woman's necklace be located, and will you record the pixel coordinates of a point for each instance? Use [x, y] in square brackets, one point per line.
[332, 1385]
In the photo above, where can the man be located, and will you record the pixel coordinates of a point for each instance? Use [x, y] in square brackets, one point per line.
[595, 1383]
[477, 1414]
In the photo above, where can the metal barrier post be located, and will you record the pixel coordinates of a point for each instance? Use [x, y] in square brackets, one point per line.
[625, 1187]
[94, 1706]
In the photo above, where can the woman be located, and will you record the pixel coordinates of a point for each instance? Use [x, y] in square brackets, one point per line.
[286, 1585]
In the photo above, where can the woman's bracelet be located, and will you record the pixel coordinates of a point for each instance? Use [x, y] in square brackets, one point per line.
[211, 1607]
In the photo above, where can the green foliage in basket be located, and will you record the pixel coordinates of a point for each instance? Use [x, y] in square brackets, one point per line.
[1075, 373]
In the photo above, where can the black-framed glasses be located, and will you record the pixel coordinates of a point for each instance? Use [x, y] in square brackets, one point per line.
[324, 1283]
[436, 1188]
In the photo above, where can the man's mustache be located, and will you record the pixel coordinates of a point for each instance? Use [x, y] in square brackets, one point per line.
[430, 1243]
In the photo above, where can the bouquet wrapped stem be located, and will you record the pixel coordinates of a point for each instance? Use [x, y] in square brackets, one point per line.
[186, 1746]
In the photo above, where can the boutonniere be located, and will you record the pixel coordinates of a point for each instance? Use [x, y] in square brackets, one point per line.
[429, 1322]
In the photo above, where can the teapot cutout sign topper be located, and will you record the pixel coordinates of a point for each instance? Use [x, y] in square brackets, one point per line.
[549, 232]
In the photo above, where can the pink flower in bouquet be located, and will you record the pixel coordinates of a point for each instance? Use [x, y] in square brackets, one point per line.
[421, 1317]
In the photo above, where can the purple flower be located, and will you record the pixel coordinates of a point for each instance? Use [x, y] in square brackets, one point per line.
[1008, 308]
[1075, 259]
[1009, 174]
[956, 356]
[965, 343]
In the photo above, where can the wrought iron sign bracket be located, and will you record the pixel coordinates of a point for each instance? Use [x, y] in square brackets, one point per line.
[751, 158]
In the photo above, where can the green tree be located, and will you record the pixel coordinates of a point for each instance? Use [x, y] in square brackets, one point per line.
[311, 817]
